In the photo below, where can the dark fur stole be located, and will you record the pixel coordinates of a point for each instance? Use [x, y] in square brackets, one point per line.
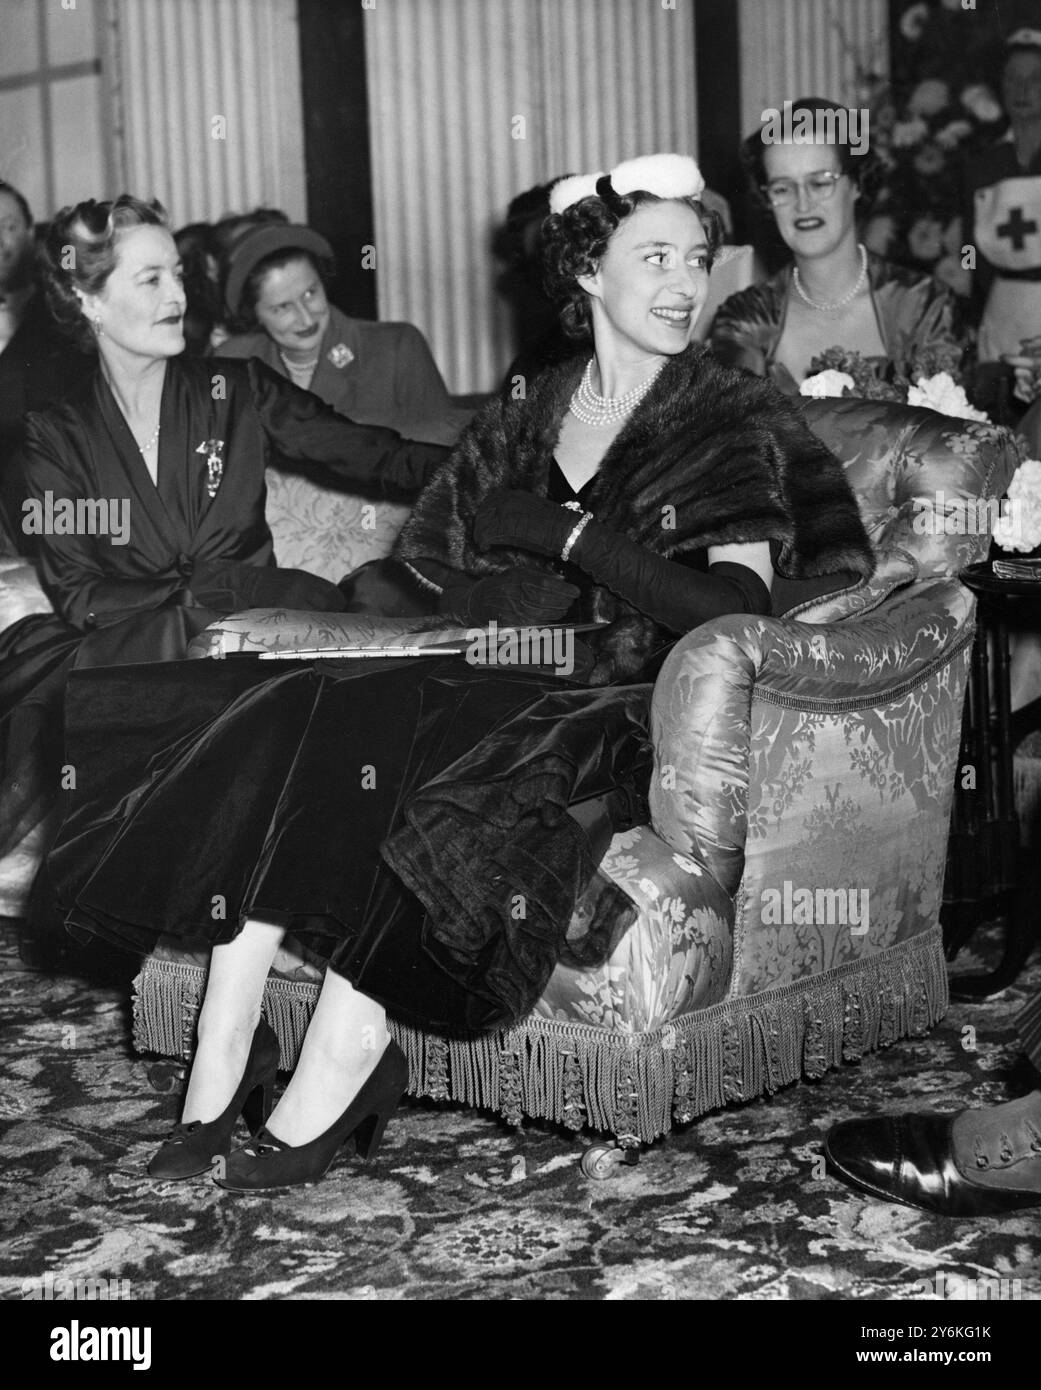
[711, 456]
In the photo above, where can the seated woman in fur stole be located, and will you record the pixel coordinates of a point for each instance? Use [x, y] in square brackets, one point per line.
[644, 488]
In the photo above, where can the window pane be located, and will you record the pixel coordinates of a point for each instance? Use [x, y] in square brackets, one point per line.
[79, 163]
[71, 34]
[19, 37]
[21, 122]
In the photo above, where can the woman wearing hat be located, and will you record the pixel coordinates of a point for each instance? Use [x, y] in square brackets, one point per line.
[375, 373]
[394, 819]
[1003, 183]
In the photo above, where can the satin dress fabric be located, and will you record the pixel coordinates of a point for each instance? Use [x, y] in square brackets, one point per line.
[198, 544]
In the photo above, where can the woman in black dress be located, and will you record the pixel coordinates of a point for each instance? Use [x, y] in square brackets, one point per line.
[142, 495]
[393, 818]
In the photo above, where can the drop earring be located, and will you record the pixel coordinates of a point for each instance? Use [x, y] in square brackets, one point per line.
[99, 332]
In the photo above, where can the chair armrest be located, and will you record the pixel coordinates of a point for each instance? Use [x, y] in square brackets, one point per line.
[703, 715]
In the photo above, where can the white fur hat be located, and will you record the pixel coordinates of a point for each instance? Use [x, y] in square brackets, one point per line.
[665, 175]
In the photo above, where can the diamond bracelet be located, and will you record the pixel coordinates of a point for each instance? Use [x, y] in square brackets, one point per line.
[587, 517]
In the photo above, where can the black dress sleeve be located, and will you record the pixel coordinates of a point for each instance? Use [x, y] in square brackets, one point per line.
[311, 437]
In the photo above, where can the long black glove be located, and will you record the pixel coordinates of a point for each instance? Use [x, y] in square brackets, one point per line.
[672, 594]
[518, 597]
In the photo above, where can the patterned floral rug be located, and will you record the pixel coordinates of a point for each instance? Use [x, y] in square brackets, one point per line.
[734, 1207]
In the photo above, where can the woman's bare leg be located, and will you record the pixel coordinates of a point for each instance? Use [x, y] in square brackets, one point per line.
[345, 1040]
[228, 1018]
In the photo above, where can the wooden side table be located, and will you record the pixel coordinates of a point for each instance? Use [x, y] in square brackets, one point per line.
[988, 878]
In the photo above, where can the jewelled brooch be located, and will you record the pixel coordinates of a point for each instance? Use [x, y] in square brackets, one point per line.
[214, 451]
[340, 355]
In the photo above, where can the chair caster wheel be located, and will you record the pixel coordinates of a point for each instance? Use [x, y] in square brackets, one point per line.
[164, 1076]
[600, 1160]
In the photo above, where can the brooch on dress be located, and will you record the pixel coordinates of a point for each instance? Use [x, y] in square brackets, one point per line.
[213, 449]
[340, 355]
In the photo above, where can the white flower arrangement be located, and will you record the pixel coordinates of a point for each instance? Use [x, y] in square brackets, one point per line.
[981, 101]
[943, 394]
[1019, 525]
[827, 383]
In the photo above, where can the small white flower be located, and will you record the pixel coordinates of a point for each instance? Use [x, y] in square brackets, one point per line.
[981, 101]
[649, 888]
[942, 394]
[1019, 525]
[687, 865]
[340, 355]
[907, 133]
[828, 383]
[953, 133]
[914, 20]
[929, 97]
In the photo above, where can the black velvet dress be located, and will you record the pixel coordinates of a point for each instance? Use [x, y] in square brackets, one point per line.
[408, 818]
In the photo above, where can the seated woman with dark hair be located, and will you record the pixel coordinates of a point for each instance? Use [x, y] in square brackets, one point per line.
[394, 818]
[276, 296]
[834, 293]
[143, 493]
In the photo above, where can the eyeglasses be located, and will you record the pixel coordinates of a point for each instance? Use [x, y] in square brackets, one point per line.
[819, 188]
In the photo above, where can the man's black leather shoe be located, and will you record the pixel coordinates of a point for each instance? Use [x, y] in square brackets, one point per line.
[910, 1159]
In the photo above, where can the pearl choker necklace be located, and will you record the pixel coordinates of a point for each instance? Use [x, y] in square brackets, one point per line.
[838, 303]
[601, 411]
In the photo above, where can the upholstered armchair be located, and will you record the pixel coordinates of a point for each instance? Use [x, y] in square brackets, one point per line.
[787, 888]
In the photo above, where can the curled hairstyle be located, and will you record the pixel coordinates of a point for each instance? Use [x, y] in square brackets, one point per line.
[573, 242]
[79, 255]
[864, 170]
[245, 320]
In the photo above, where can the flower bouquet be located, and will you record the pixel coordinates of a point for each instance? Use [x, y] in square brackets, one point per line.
[931, 381]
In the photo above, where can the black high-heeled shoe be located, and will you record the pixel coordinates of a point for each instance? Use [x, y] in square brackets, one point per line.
[189, 1149]
[267, 1162]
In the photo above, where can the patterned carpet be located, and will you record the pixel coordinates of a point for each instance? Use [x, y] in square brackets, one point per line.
[736, 1206]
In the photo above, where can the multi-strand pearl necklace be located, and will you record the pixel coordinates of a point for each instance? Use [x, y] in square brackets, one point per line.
[601, 411]
[838, 303]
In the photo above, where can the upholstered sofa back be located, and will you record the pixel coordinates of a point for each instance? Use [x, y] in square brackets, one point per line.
[919, 477]
[326, 532]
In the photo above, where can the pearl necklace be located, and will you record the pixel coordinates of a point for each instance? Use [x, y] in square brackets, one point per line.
[299, 368]
[838, 303]
[601, 411]
[152, 439]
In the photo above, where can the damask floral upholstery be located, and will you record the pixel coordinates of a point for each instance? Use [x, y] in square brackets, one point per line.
[325, 531]
[801, 768]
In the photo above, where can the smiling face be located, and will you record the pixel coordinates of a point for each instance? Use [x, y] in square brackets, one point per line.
[292, 308]
[812, 226]
[16, 239]
[141, 306]
[651, 283]
[1021, 87]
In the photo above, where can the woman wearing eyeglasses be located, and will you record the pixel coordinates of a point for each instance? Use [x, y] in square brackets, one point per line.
[834, 293]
